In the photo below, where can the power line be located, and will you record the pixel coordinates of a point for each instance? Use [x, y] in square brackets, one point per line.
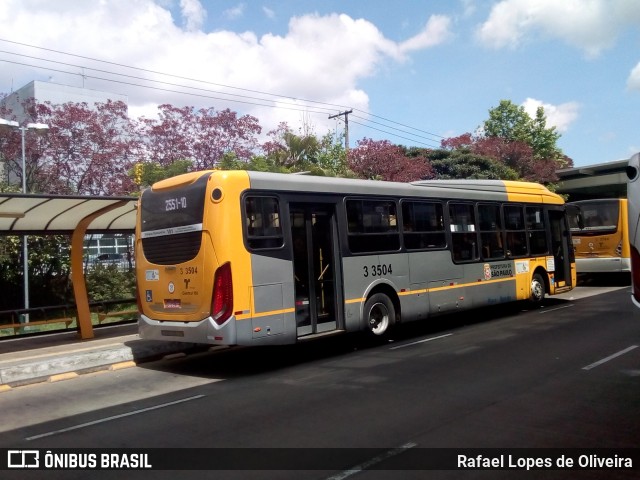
[315, 109]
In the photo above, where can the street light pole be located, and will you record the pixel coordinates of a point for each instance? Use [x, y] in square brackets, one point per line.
[38, 127]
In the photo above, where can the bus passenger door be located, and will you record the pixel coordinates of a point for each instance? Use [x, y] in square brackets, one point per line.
[314, 267]
[560, 246]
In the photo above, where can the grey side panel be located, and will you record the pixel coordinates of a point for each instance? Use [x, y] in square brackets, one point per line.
[365, 272]
[272, 291]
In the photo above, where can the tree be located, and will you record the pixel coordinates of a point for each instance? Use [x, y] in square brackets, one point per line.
[291, 151]
[513, 124]
[145, 174]
[508, 121]
[201, 136]
[521, 143]
[89, 150]
[462, 164]
[11, 147]
[381, 160]
[332, 156]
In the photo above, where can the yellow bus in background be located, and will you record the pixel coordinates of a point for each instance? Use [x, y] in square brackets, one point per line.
[600, 234]
[255, 258]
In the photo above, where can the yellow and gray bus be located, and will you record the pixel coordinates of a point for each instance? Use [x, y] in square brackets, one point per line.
[600, 235]
[254, 258]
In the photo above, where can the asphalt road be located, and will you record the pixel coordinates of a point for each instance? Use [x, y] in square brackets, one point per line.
[566, 376]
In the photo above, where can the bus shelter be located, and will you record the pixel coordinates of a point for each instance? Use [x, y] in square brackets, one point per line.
[32, 214]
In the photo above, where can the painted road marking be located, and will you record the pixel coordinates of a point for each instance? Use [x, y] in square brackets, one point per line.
[420, 341]
[370, 463]
[115, 417]
[610, 357]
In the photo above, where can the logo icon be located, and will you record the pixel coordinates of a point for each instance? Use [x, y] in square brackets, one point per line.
[172, 287]
[23, 459]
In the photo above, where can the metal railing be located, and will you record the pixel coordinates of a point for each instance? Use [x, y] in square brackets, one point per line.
[56, 318]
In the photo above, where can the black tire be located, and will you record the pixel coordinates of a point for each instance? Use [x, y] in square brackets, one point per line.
[538, 290]
[379, 314]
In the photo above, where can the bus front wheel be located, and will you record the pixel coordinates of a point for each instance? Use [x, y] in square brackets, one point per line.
[380, 314]
[537, 289]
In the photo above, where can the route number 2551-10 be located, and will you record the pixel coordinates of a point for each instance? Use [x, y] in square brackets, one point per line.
[376, 270]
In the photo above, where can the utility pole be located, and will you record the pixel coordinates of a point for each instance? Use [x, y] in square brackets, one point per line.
[346, 127]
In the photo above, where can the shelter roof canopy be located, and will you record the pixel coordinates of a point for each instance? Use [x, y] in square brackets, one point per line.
[60, 214]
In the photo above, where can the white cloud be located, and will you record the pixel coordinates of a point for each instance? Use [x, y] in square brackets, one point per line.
[633, 82]
[270, 14]
[235, 12]
[436, 31]
[559, 116]
[323, 58]
[194, 14]
[590, 25]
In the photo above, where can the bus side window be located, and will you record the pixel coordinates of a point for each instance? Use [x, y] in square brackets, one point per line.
[464, 239]
[422, 225]
[263, 228]
[536, 231]
[516, 235]
[373, 226]
[491, 231]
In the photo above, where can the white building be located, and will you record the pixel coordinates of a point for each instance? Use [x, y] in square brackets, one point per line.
[56, 94]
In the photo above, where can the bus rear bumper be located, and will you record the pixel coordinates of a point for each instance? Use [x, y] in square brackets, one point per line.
[603, 265]
[204, 331]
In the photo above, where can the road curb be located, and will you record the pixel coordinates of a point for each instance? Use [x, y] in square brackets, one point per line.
[61, 366]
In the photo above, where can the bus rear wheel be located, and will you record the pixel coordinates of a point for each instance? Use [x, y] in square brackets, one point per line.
[537, 289]
[379, 313]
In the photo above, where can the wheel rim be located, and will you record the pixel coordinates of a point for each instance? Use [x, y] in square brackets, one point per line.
[537, 291]
[378, 318]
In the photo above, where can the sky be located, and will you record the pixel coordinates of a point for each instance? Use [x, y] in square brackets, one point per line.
[410, 71]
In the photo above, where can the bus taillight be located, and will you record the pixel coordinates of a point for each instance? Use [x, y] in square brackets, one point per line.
[222, 304]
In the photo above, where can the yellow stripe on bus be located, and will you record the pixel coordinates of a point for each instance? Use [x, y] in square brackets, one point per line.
[265, 314]
[246, 316]
[437, 289]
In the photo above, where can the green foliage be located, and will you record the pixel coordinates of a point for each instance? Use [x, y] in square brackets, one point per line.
[147, 173]
[513, 124]
[108, 282]
[49, 271]
[460, 164]
[332, 156]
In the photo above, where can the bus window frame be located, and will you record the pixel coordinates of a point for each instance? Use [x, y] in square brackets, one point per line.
[444, 246]
[348, 234]
[475, 251]
[500, 231]
[523, 230]
[245, 222]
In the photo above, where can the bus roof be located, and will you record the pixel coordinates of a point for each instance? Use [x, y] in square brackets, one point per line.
[497, 190]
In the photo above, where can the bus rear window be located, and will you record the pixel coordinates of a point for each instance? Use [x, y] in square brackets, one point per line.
[598, 218]
[171, 222]
[165, 210]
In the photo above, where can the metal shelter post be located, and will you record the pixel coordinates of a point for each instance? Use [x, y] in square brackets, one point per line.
[77, 271]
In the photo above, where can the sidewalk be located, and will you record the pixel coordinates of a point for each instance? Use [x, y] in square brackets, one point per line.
[60, 356]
